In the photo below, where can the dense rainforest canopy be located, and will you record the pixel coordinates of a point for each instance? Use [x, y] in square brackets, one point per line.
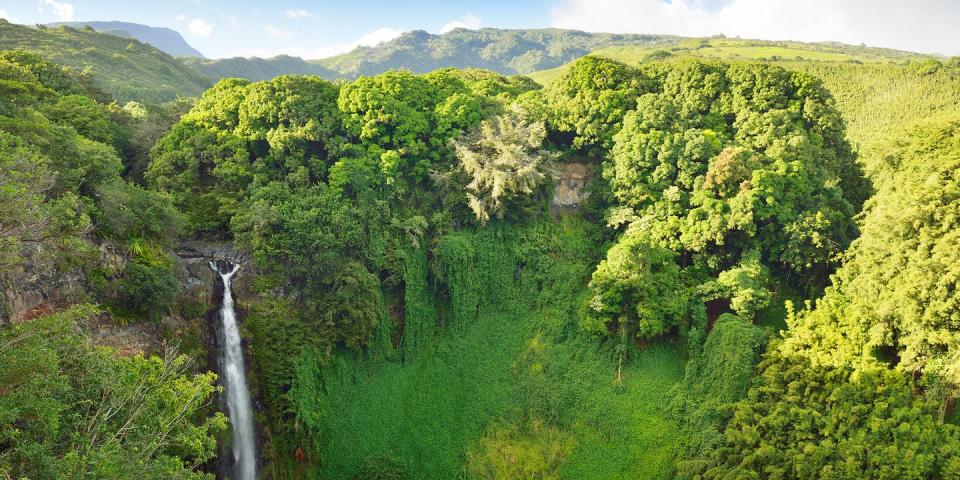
[732, 297]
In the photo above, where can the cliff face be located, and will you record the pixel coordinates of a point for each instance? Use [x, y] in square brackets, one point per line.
[571, 187]
[35, 293]
[197, 281]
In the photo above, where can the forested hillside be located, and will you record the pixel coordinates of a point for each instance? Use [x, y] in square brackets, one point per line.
[714, 259]
[736, 49]
[256, 69]
[71, 409]
[499, 50]
[123, 67]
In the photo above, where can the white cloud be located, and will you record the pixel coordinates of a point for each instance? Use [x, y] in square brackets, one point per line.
[298, 13]
[180, 17]
[233, 22]
[275, 32]
[371, 39]
[377, 37]
[469, 21]
[200, 27]
[6, 16]
[918, 25]
[62, 10]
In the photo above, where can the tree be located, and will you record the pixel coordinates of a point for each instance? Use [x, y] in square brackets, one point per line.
[294, 126]
[72, 410]
[591, 99]
[637, 292]
[505, 163]
[805, 420]
[894, 299]
[721, 161]
[205, 171]
[86, 116]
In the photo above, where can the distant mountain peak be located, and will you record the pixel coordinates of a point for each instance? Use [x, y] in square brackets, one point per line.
[164, 39]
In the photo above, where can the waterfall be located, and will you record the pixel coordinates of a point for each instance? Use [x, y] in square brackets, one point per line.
[239, 406]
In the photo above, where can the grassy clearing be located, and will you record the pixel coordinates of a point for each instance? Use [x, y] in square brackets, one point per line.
[428, 412]
[517, 364]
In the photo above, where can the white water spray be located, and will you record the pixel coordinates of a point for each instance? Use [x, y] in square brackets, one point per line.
[238, 395]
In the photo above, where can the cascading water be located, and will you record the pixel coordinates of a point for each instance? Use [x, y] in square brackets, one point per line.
[239, 406]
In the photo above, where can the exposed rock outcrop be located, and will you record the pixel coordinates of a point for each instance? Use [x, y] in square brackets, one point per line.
[37, 292]
[571, 186]
[197, 281]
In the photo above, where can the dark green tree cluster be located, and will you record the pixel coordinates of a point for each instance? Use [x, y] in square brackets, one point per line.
[864, 382]
[739, 171]
[805, 420]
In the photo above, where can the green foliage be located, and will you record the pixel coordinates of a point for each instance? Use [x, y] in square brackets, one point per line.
[141, 73]
[591, 100]
[810, 421]
[148, 287]
[419, 309]
[383, 467]
[731, 158]
[59, 187]
[188, 161]
[896, 291]
[146, 123]
[299, 235]
[85, 115]
[718, 373]
[504, 163]
[271, 323]
[407, 134]
[534, 451]
[514, 51]
[70, 410]
[745, 285]
[637, 292]
[498, 370]
[296, 120]
[466, 265]
[128, 212]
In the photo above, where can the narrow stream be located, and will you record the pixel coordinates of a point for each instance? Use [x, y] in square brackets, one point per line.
[239, 406]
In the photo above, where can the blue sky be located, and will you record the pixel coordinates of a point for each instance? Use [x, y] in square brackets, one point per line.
[314, 29]
[223, 28]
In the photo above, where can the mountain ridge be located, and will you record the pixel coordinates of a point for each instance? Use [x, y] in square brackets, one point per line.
[164, 39]
[126, 68]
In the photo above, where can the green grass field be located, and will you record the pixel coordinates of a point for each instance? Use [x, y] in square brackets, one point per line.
[515, 362]
[428, 412]
[734, 50]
